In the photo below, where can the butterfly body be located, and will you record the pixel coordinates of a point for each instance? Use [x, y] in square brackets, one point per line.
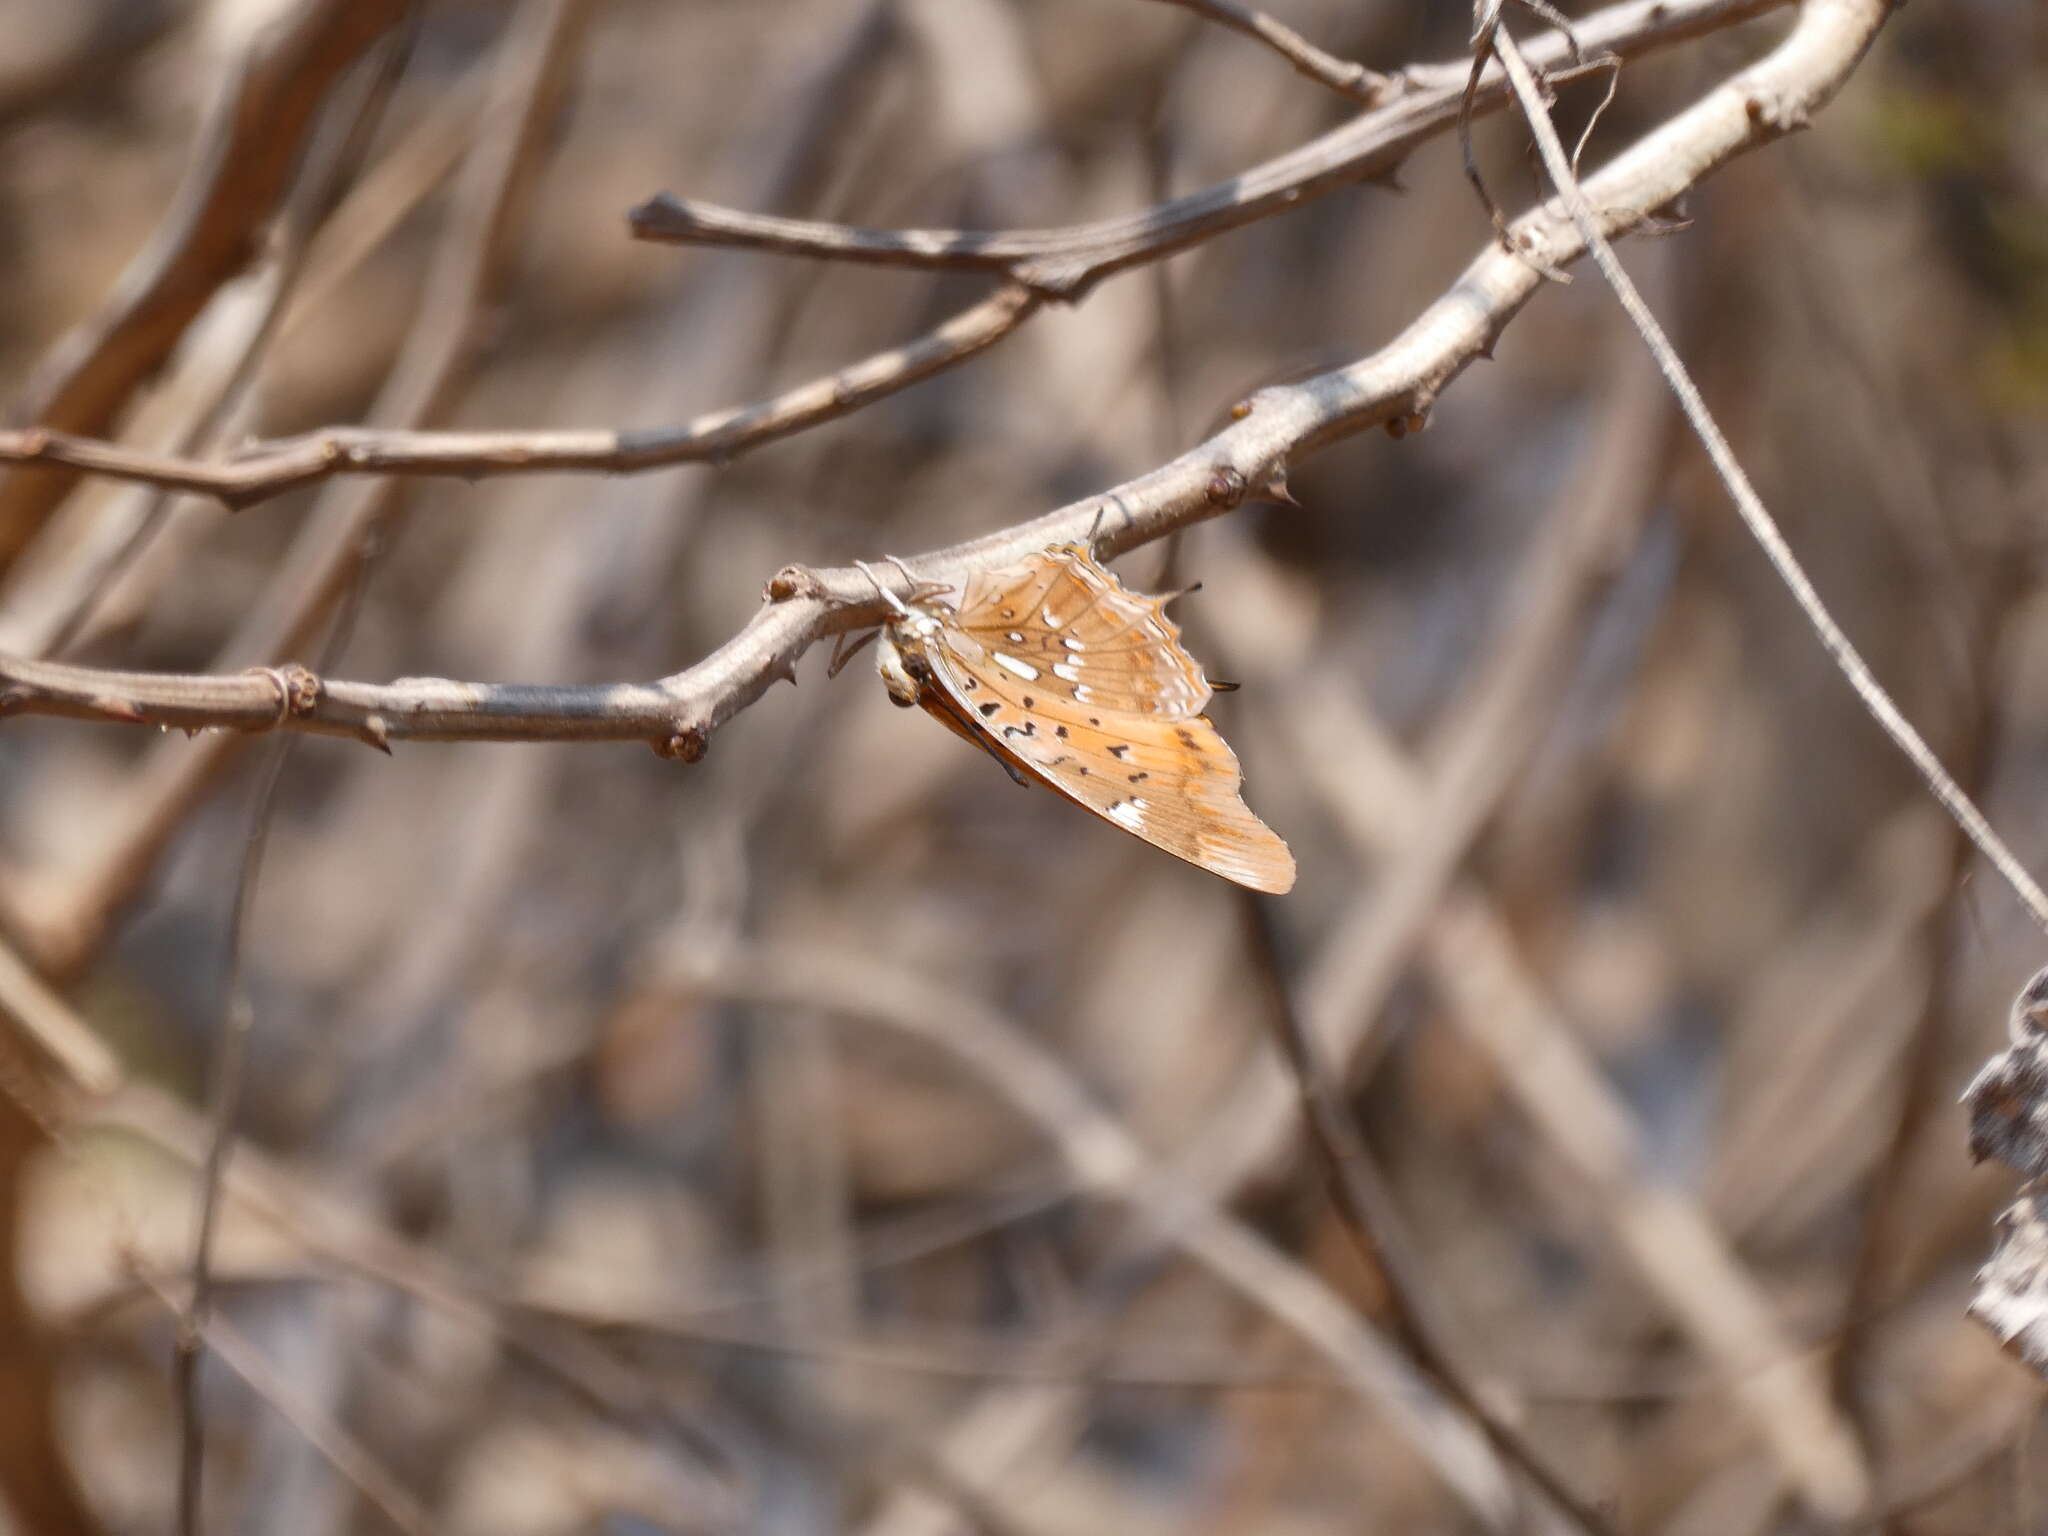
[1071, 680]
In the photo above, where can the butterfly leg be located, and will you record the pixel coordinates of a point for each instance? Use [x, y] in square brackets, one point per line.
[886, 595]
[843, 652]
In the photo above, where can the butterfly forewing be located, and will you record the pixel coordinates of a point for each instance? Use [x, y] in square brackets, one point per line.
[1062, 621]
[1074, 681]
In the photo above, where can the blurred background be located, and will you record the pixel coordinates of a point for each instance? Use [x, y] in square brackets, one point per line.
[796, 1141]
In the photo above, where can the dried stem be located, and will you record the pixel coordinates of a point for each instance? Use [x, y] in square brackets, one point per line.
[1346, 77]
[1857, 20]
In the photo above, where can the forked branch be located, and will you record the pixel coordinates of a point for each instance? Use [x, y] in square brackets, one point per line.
[1272, 429]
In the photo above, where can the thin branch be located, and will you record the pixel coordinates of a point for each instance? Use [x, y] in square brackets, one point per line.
[1346, 77]
[1859, 19]
[333, 1228]
[225, 1094]
[56, 1028]
[232, 1048]
[271, 469]
[349, 1457]
[1065, 262]
[1366, 1208]
[1056, 263]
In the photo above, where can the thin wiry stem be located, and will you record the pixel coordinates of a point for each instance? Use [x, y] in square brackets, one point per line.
[1367, 1210]
[224, 1099]
[1762, 526]
[1346, 77]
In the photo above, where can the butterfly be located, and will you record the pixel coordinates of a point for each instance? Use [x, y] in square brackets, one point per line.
[1071, 680]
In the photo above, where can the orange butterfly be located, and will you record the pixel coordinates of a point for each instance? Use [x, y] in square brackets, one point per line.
[1073, 681]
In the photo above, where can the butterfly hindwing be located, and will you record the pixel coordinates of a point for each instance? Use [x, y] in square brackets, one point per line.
[1073, 680]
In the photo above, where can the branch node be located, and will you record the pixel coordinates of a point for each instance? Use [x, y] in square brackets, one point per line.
[298, 689]
[1411, 422]
[793, 581]
[685, 744]
[1058, 280]
[1227, 486]
[1778, 113]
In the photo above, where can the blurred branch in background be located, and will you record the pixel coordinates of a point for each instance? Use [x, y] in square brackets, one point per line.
[829, 1137]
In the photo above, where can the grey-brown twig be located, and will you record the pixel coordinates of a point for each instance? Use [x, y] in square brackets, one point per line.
[1346, 77]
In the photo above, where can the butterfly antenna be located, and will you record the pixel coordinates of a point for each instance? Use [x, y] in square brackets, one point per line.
[887, 596]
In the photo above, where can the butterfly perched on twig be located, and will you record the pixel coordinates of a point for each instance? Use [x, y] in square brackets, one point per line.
[1073, 681]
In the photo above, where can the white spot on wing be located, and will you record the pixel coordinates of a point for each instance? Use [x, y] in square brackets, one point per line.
[1066, 672]
[1050, 621]
[1127, 813]
[1023, 669]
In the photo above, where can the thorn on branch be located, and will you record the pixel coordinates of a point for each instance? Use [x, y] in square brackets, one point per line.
[376, 731]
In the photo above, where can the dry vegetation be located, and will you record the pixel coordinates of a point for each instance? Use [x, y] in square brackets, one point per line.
[825, 1134]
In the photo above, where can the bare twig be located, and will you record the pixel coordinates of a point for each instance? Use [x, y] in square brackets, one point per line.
[1346, 77]
[269, 470]
[1858, 20]
[231, 1053]
[1059, 263]
[1367, 1209]
[343, 1451]
[65, 1038]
